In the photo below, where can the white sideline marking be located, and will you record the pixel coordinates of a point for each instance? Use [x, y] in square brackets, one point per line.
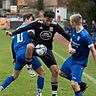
[85, 74]
[90, 77]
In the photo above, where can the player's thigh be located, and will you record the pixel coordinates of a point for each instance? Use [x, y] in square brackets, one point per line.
[77, 71]
[49, 59]
[20, 62]
[65, 68]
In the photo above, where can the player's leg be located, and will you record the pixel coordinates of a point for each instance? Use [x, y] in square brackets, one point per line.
[9, 80]
[31, 71]
[65, 71]
[17, 67]
[29, 52]
[83, 86]
[50, 62]
[40, 80]
[54, 79]
[77, 71]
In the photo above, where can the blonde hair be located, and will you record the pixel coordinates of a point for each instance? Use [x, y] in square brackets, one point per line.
[76, 18]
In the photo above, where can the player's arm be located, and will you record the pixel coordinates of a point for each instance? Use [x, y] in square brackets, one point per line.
[30, 26]
[71, 50]
[93, 51]
[62, 32]
[89, 41]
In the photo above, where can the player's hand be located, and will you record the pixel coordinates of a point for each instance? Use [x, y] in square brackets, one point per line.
[72, 51]
[9, 33]
[13, 61]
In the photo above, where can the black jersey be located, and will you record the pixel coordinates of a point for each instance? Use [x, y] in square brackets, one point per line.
[43, 34]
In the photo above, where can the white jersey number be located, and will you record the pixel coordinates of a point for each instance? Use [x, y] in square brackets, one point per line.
[19, 37]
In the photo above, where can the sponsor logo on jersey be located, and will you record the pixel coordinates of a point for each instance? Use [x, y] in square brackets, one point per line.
[46, 35]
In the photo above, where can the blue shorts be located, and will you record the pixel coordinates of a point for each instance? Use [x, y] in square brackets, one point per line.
[74, 69]
[21, 62]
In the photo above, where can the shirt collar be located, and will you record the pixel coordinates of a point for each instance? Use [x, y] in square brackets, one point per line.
[80, 30]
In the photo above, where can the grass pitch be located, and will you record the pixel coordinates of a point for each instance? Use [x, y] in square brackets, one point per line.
[26, 86]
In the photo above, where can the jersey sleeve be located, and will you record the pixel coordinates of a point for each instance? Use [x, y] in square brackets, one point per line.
[30, 26]
[89, 41]
[62, 32]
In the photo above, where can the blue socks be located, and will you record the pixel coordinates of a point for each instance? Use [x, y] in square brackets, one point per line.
[8, 81]
[79, 93]
[40, 82]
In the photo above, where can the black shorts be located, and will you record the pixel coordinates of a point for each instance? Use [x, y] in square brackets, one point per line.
[49, 58]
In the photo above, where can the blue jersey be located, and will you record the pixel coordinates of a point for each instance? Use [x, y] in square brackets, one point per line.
[21, 39]
[81, 41]
[19, 44]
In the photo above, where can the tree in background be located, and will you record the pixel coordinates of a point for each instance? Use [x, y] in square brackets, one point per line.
[87, 8]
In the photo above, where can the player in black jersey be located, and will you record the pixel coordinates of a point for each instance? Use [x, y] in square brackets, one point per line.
[43, 33]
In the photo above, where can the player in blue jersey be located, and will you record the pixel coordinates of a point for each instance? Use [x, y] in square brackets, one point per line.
[80, 46]
[30, 20]
[20, 42]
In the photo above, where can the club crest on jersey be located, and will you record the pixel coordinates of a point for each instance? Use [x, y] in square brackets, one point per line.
[46, 35]
[51, 29]
[78, 38]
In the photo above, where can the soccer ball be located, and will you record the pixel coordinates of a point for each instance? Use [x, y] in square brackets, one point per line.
[41, 49]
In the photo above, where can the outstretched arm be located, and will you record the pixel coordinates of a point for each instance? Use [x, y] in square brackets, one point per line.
[30, 26]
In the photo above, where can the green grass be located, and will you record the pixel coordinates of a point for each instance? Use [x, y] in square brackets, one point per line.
[26, 86]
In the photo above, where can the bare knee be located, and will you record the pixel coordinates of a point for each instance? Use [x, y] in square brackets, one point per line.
[75, 86]
[54, 70]
[30, 46]
[29, 50]
[40, 72]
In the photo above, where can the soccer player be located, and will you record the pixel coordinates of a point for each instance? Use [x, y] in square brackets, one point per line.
[44, 33]
[27, 20]
[20, 42]
[80, 46]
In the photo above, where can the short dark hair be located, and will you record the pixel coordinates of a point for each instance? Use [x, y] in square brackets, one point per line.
[49, 14]
[27, 16]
